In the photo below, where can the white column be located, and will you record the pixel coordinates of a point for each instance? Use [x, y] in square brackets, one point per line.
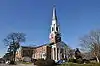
[64, 53]
[56, 54]
[59, 54]
[53, 53]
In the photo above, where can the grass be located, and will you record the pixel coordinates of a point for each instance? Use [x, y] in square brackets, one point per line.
[75, 64]
[26, 63]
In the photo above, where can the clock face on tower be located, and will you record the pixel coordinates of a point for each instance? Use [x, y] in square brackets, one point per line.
[52, 37]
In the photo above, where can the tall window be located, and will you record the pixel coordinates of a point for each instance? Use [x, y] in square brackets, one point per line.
[52, 29]
[57, 28]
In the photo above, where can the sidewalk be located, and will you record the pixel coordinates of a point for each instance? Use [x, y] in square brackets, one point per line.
[17, 65]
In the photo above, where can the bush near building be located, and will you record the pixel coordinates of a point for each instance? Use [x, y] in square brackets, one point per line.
[47, 62]
[75, 64]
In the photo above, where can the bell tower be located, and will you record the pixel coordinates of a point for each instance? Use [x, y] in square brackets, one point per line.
[55, 35]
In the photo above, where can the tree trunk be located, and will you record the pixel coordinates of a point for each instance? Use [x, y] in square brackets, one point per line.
[14, 56]
[97, 59]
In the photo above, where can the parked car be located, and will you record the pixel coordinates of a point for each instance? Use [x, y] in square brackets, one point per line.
[60, 61]
[26, 59]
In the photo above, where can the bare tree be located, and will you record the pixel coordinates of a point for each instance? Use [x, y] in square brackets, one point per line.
[70, 52]
[91, 42]
[13, 41]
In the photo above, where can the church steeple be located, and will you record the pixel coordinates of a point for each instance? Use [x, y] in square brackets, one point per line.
[55, 31]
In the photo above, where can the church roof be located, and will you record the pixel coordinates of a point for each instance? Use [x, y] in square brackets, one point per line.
[44, 45]
[27, 47]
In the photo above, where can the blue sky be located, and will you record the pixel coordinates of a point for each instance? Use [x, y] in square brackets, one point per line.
[33, 17]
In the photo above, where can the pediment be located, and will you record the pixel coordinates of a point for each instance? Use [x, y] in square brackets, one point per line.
[60, 45]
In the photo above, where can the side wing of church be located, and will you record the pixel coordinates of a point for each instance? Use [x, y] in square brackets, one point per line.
[56, 49]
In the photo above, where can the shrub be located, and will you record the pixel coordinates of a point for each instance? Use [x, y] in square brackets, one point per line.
[49, 62]
[79, 61]
[12, 63]
[75, 64]
[34, 61]
[75, 60]
[72, 60]
[42, 62]
[86, 61]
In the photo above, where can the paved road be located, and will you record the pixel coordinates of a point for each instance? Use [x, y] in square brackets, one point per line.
[18, 65]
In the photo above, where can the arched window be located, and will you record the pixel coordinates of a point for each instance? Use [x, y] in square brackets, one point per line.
[57, 28]
[52, 29]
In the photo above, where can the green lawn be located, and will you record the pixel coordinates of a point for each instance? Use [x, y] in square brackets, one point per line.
[21, 62]
[75, 64]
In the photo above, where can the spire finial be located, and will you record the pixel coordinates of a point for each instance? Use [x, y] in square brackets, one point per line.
[54, 13]
[54, 5]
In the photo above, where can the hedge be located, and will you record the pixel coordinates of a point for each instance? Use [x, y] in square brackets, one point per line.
[75, 64]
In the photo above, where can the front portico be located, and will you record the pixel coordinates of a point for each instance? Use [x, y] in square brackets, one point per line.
[58, 51]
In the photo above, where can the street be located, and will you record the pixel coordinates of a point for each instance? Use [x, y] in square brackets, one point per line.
[17, 65]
